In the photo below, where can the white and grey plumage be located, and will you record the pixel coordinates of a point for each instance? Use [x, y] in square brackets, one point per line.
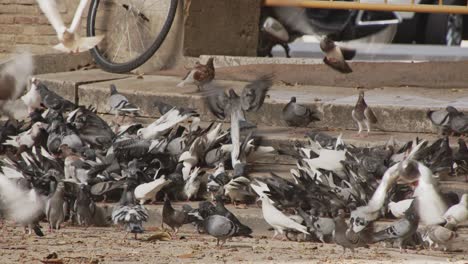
[362, 113]
[458, 213]
[192, 184]
[439, 236]
[297, 115]
[164, 123]
[70, 41]
[324, 226]
[336, 56]
[399, 208]
[119, 104]
[148, 191]
[279, 221]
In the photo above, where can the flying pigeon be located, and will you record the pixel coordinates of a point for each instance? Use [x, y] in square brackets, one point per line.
[200, 75]
[297, 115]
[119, 104]
[362, 113]
[401, 229]
[70, 41]
[336, 56]
[279, 221]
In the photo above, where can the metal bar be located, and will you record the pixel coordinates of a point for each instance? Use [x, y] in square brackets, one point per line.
[368, 6]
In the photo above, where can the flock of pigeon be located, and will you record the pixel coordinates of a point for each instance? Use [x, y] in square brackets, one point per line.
[63, 158]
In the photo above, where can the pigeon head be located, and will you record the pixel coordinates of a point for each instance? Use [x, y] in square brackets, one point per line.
[341, 213]
[453, 111]
[293, 99]
[327, 44]
[113, 89]
[232, 94]
[408, 171]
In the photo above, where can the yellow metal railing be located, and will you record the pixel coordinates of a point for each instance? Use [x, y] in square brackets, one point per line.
[383, 6]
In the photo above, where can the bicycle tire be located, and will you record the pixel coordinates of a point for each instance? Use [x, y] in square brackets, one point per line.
[124, 67]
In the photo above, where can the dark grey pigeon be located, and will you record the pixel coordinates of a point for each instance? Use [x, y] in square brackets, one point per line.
[440, 119]
[402, 229]
[223, 211]
[363, 114]
[336, 56]
[221, 228]
[52, 100]
[173, 218]
[297, 115]
[346, 237]
[84, 206]
[458, 121]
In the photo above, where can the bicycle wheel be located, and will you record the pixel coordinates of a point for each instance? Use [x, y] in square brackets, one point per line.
[134, 30]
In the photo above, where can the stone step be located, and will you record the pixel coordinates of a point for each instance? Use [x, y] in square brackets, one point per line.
[399, 109]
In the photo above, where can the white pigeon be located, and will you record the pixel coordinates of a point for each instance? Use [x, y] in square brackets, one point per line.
[32, 99]
[163, 124]
[148, 191]
[192, 185]
[399, 208]
[329, 160]
[279, 221]
[22, 206]
[459, 212]
[70, 41]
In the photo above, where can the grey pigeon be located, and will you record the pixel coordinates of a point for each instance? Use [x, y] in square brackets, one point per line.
[347, 238]
[119, 104]
[440, 119]
[84, 206]
[221, 228]
[324, 227]
[362, 113]
[56, 207]
[128, 212]
[439, 236]
[52, 100]
[173, 218]
[336, 56]
[297, 115]
[402, 229]
[222, 210]
[458, 121]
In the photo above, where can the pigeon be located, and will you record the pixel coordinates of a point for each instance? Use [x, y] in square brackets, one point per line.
[458, 121]
[221, 228]
[279, 221]
[458, 213]
[119, 104]
[84, 206]
[336, 56]
[297, 115]
[75, 167]
[362, 113]
[14, 75]
[460, 159]
[402, 229]
[56, 207]
[128, 212]
[440, 119]
[398, 209]
[164, 123]
[347, 238]
[199, 75]
[192, 184]
[222, 210]
[172, 217]
[148, 191]
[439, 236]
[40, 96]
[70, 41]
[164, 108]
[323, 227]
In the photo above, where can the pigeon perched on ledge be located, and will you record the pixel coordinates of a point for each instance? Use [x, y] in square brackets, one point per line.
[297, 115]
[199, 75]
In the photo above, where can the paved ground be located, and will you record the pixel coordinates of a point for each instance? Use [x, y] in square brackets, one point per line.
[106, 245]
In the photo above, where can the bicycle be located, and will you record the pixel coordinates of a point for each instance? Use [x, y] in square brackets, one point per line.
[133, 20]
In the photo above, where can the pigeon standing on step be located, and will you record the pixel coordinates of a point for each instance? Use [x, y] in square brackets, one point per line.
[458, 121]
[56, 207]
[440, 119]
[297, 115]
[70, 41]
[336, 56]
[458, 213]
[402, 229]
[199, 75]
[363, 114]
[279, 221]
[119, 104]
[222, 228]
